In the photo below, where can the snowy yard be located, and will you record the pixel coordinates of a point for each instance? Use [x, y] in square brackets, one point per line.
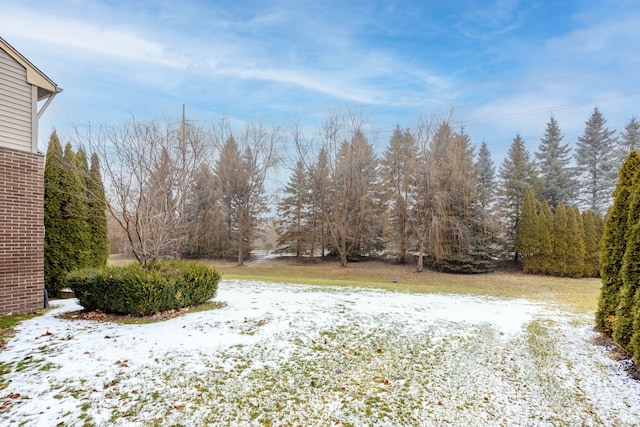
[308, 356]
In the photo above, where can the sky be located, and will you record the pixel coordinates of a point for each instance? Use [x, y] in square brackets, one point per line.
[503, 66]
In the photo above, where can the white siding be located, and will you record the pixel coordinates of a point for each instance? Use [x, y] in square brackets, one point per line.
[16, 109]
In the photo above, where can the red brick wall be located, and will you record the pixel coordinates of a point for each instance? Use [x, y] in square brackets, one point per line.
[21, 231]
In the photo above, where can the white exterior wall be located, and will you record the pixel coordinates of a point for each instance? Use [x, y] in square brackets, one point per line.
[17, 107]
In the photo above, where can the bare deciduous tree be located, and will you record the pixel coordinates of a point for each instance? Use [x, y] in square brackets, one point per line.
[149, 171]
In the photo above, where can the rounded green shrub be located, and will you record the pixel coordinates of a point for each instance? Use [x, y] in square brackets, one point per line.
[133, 290]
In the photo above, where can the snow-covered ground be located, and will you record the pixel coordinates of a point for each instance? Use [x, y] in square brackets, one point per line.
[298, 355]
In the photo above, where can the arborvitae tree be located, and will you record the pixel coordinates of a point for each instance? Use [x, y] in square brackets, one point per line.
[595, 163]
[634, 343]
[398, 169]
[630, 138]
[613, 243]
[97, 215]
[560, 241]
[76, 210]
[486, 191]
[55, 265]
[518, 173]
[527, 239]
[599, 220]
[591, 245]
[545, 232]
[630, 271]
[575, 249]
[554, 160]
[293, 224]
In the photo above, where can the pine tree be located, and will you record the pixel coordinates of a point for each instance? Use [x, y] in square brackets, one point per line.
[554, 160]
[486, 191]
[321, 203]
[595, 163]
[526, 239]
[293, 221]
[97, 215]
[575, 242]
[630, 138]
[518, 173]
[613, 243]
[591, 245]
[560, 241]
[397, 170]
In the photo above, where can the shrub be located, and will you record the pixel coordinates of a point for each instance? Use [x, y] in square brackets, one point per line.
[134, 290]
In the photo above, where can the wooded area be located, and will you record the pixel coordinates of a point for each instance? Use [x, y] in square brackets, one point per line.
[431, 198]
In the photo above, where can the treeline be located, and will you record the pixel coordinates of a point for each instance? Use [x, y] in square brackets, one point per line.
[432, 197]
[619, 305]
[432, 194]
[75, 213]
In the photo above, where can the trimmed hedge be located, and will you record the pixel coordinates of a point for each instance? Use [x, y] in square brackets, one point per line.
[134, 290]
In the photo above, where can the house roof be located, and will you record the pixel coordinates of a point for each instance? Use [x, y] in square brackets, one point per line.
[46, 86]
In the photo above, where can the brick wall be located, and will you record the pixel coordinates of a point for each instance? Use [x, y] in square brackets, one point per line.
[21, 231]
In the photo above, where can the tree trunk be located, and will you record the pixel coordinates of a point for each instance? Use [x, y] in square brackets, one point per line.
[240, 254]
[420, 263]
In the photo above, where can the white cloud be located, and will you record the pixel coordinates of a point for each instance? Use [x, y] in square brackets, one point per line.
[85, 36]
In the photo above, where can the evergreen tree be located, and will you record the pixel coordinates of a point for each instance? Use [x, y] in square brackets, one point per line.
[630, 271]
[76, 210]
[630, 138]
[560, 241]
[554, 160]
[634, 343]
[321, 203]
[398, 166]
[55, 265]
[595, 163]
[486, 191]
[204, 219]
[527, 239]
[97, 215]
[591, 245]
[545, 233]
[613, 243]
[292, 225]
[575, 243]
[518, 173]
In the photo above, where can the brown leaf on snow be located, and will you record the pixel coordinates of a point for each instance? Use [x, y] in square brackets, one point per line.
[46, 334]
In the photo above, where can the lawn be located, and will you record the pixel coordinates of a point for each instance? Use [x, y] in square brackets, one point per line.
[576, 294]
[430, 349]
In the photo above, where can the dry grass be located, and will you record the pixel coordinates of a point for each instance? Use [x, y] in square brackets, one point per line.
[579, 295]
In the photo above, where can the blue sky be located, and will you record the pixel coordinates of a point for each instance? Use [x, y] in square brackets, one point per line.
[503, 65]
